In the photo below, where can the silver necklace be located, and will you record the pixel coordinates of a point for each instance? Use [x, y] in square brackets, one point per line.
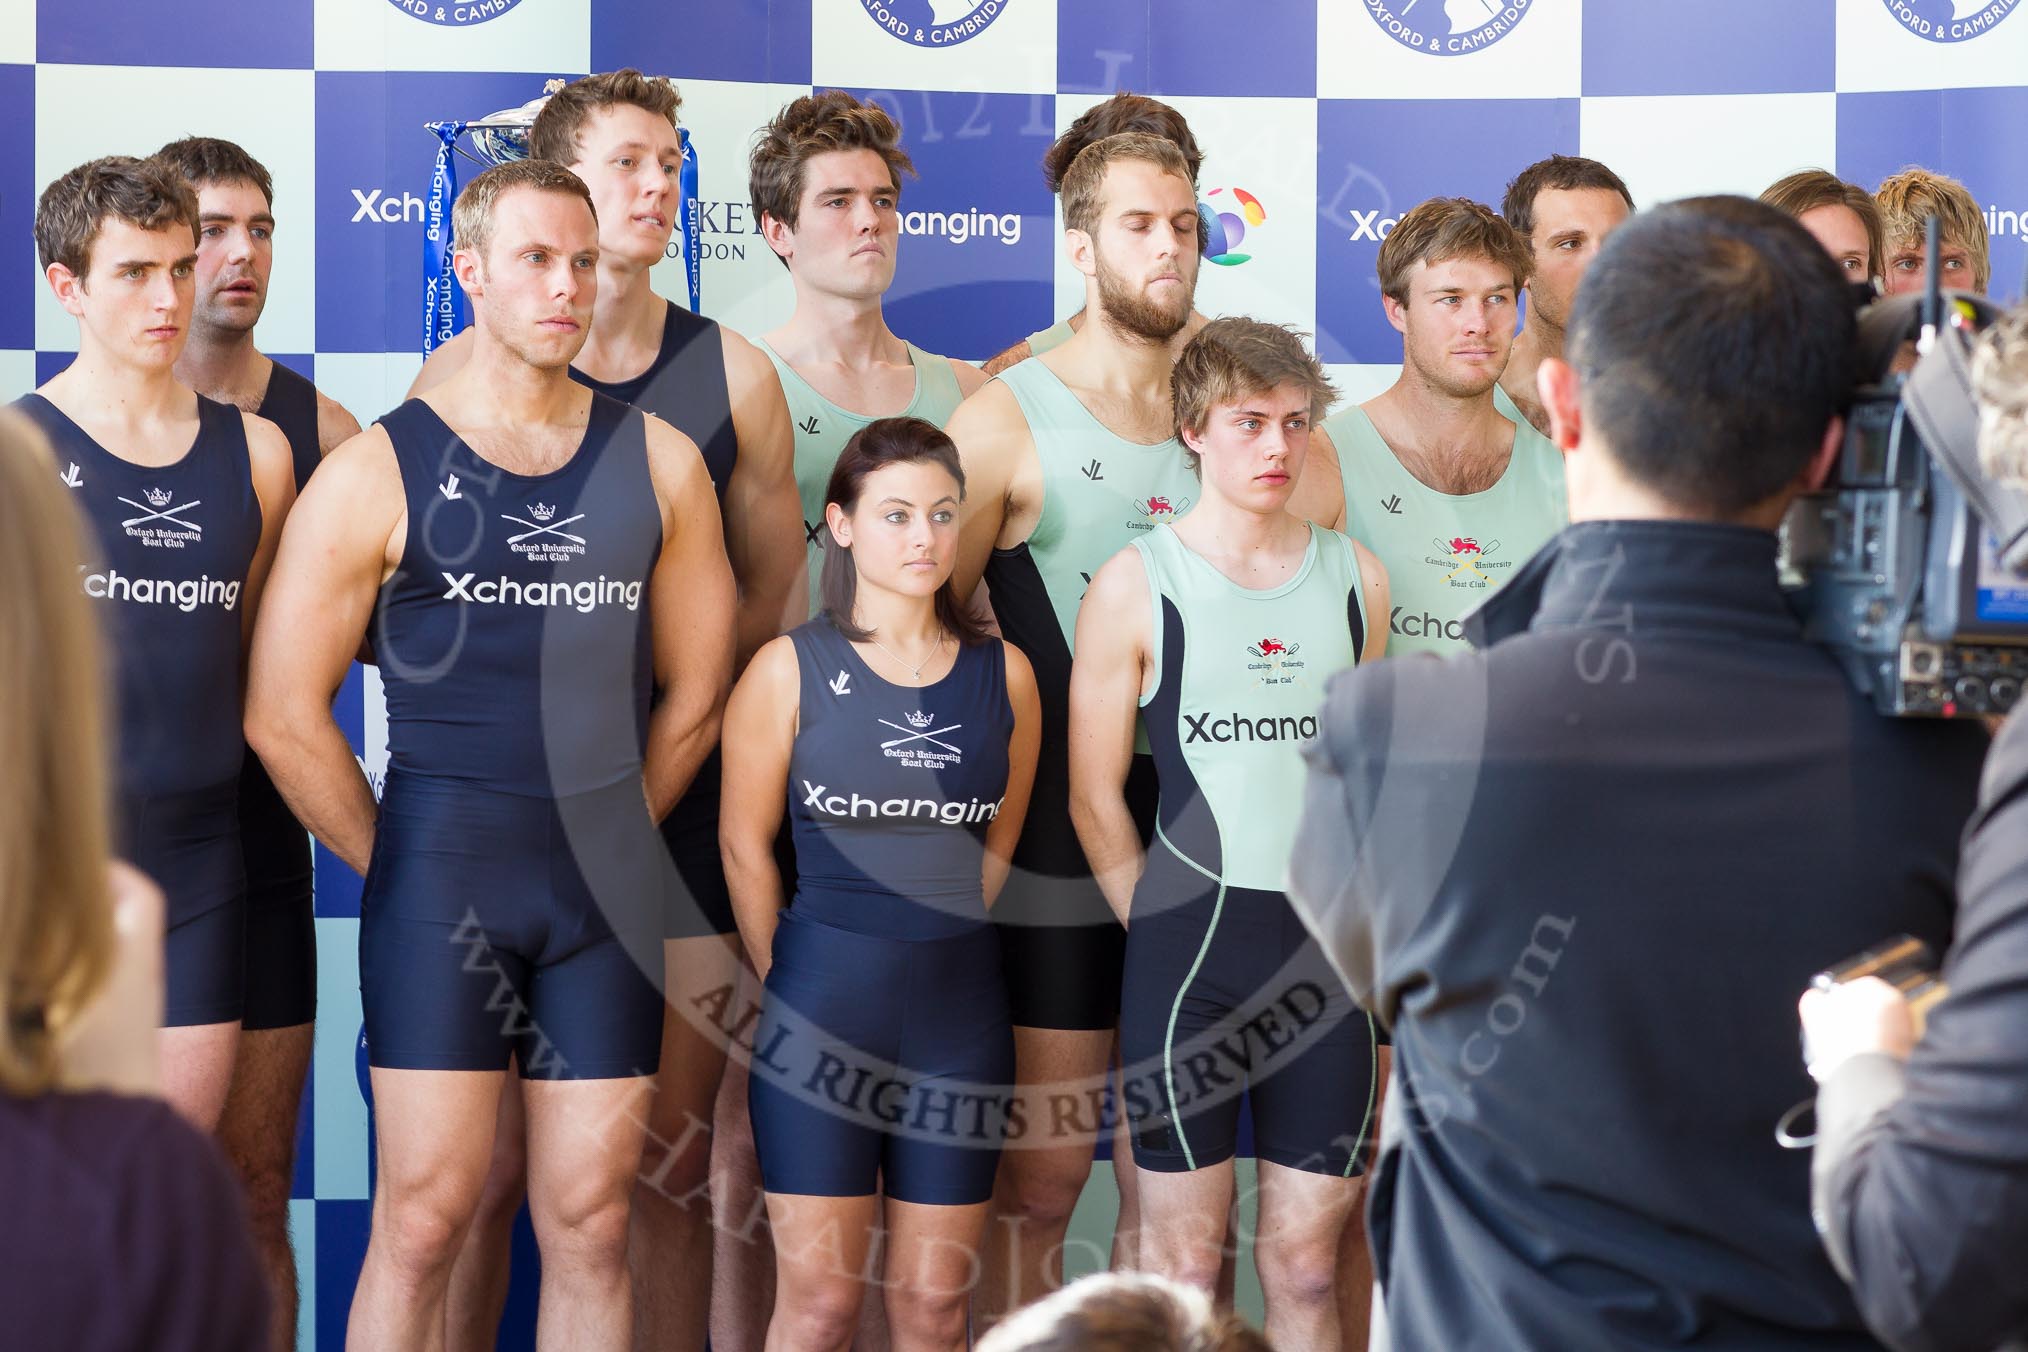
[914, 672]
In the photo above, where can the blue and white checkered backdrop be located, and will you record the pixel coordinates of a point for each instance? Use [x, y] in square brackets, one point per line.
[1336, 115]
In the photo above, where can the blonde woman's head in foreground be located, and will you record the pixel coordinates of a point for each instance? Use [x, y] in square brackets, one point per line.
[56, 934]
[1123, 1312]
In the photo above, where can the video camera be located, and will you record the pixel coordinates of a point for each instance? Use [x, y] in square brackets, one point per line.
[1910, 564]
[1903, 962]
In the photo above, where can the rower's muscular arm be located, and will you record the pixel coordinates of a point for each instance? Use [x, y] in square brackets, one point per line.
[763, 515]
[1023, 744]
[760, 734]
[274, 481]
[691, 616]
[1375, 600]
[1114, 632]
[335, 427]
[343, 540]
[997, 452]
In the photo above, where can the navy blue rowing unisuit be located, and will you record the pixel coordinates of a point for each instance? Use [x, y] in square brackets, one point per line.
[514, 848]
[290, 403]
[175, 543]
[880, 775]
[513, 638]
[885, 1034]
[281, 926]
[685, 386]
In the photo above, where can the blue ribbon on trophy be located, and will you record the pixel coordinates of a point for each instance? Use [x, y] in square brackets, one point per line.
[690, 213]
[497, 139]
[443, 299]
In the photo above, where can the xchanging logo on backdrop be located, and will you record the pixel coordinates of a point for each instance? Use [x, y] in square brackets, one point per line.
[1370, 225]
[934, 23]
[460, 15]
[387, 207]
[1949, 20]
[2006, 223]
[959, 226]
[1450, 27]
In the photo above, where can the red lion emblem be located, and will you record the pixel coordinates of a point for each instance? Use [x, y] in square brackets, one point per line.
[1159, 505]
[1464, 544]
[1269, 646]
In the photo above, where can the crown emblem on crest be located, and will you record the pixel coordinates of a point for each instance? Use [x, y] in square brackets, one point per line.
[541, 511]
[920, 719]
[157, 497]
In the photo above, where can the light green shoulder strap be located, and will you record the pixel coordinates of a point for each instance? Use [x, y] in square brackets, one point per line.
[937, 395]
[1050, 409]
[1056, 335]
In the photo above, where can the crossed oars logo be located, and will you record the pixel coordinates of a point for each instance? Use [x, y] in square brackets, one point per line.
[920, 735]
[542, 512]
[160, 510]
[1464, 550]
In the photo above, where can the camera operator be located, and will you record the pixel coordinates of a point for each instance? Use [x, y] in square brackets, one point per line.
[1583, 871]
[1921, 1170]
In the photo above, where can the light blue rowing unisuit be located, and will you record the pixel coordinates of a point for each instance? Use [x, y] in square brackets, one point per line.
[823, 428]
[1225, 990]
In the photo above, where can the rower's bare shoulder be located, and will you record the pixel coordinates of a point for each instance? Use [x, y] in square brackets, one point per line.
[675, 464]
[335, 424]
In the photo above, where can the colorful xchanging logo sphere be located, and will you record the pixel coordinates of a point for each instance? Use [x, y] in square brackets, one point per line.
[1228, 214]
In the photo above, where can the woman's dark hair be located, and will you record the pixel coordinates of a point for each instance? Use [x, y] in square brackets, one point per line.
[884, 442]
